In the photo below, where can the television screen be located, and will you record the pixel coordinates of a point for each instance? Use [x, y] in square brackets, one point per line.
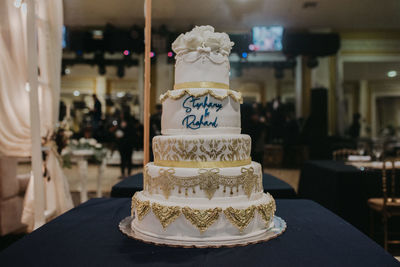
[267, 38]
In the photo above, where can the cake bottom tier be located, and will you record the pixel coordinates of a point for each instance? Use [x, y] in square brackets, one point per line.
[191, 222]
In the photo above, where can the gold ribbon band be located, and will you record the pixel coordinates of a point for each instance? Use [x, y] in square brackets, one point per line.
[201, 85]
[202, 164]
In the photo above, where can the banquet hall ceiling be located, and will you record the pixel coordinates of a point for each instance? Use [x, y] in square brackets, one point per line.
[236, 15]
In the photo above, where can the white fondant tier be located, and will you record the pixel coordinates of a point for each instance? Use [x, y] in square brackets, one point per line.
[200, 111]
[202, 67]
[202, 56]
[220, 185]
[206, 151]
[230, 220]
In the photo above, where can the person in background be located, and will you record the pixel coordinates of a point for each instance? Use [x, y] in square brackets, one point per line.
[355, 127]
[96, 112]
[125, 135]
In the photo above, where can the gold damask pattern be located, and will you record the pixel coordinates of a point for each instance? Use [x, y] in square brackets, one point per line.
[166, 214]
[202, 219]
[201, 150]
[240, 217]
[229, 93]
[208, 180]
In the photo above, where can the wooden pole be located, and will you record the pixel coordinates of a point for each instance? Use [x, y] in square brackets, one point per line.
[147, 64]
[32, 56]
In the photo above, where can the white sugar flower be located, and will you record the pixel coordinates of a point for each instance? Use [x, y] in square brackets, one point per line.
[82, 141]
[203, 39]
[92, 142]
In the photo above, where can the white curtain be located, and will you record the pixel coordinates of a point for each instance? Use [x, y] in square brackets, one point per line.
[14, 98]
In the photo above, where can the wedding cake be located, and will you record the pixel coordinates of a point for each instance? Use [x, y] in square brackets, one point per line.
[202, 185]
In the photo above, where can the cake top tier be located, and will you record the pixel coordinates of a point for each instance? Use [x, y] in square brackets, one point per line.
[202, 59]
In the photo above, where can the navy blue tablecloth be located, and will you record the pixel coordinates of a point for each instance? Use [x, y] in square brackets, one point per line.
[89, 236]
[273, 185]
[343, 189]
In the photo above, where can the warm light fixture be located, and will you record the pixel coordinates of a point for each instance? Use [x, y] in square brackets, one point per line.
[76, 93]
[392, 73]
[120, 94]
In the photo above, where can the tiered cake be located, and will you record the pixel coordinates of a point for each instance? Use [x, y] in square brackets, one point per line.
[202, 185]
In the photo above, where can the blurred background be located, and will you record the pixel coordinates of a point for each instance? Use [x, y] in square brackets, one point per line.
[320, 81]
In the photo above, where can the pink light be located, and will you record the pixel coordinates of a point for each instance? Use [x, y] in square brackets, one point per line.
[126, 52]
[170, 54]
[152, 54]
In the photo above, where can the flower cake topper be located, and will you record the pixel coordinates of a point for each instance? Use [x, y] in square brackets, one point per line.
[203, 39]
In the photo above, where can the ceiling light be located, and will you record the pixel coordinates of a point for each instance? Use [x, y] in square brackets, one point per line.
[76, 93]
[392, 73]
[120, 94]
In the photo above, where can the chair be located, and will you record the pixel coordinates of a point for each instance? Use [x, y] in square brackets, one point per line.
[343, 154]
[388, 205]
[12, 190]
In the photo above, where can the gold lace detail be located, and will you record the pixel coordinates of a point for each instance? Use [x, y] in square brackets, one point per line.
[267, 211]
[166, 214]
[240, 217]
[208, 180]
[229, 93]
[133, 204]
[201, 150]
[202, 219]
[142, 208]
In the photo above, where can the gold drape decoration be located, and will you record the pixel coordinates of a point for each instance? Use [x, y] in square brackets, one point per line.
[166, 214]
[208, 180]
[267, 211]
[202, 219]
[240, 217]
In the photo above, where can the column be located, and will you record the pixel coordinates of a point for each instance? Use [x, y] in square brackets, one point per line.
[101, 87]
[141, 86]
[363, 106]
[298, 83]
[306, 89]
[340, 108]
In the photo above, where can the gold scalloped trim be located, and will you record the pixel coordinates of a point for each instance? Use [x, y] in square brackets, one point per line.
[134, 203]
[202, 219]
[240, 217]
[166, 214]
[142, 208]
[230, 93]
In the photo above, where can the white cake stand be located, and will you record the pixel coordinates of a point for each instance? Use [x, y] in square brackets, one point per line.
[275, 231]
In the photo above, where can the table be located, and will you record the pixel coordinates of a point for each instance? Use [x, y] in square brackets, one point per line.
[341, 188]
[89, 236]
[82, 156]
[273, 185]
